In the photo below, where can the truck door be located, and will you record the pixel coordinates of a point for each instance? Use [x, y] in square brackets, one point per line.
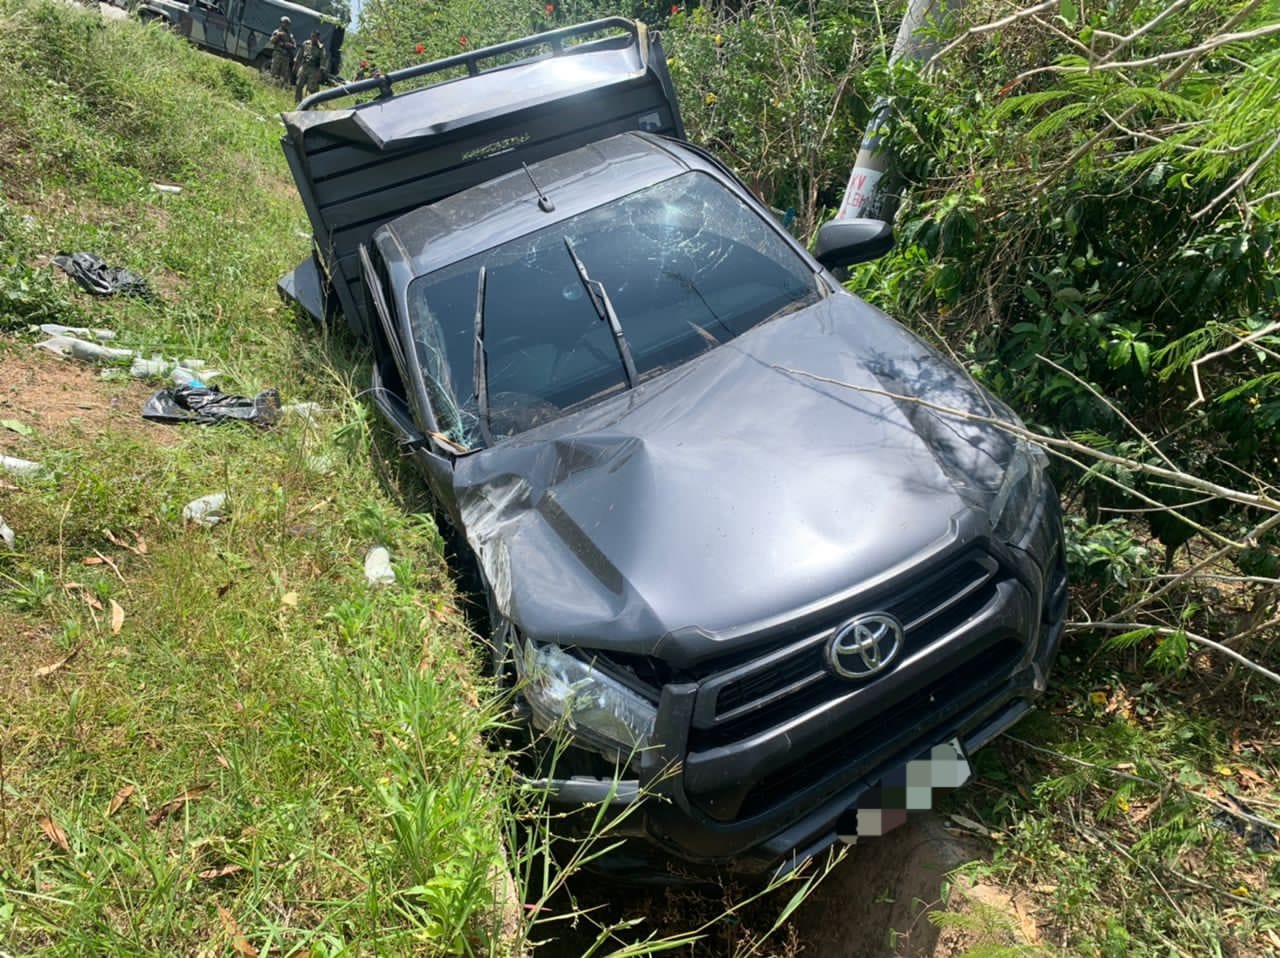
[399, 391]
[240, 36]
[209, 24]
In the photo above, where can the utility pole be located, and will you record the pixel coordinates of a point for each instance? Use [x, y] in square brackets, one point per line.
[870, 191]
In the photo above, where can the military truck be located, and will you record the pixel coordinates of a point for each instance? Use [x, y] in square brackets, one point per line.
[241, 29]
[738, 555]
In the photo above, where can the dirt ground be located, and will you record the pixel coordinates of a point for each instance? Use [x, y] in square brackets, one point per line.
[59, 396]
[876, 902]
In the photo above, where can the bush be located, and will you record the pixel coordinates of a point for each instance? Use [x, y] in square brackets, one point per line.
[28, 294]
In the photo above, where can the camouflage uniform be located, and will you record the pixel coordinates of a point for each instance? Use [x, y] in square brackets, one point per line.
[311, 66]
[282, 50]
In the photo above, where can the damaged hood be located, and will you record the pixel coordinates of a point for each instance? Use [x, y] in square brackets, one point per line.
[735, 491]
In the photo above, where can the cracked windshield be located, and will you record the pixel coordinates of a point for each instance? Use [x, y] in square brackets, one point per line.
[652, 279]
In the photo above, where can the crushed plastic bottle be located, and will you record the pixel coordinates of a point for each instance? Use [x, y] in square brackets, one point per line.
[205, 511]
[6, 535]
[146, 368]
[54, 329]
[306, 411]
[23, 468]
[184, 375]
[70, 346]
[377, 566]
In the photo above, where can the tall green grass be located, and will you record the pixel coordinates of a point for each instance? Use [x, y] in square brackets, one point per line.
[325, 735]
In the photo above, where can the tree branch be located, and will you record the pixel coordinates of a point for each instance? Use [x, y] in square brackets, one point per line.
[990, 28]
[1166, 630]
[1243, 179]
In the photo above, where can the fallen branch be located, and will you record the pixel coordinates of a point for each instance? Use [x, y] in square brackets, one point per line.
[1252, 536]
[1218, 354]
[991, 28]
[1213, 43]
[1190, 636]
[1146, 28]
[1242, 180]
[1169, 82]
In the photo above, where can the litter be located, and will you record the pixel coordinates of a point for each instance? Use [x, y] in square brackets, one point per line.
[6, 535]
[166, 188]
[23, 468]
[320, 464]
[70, 346]
[205, 511]
[1242, 821]
[54, 329]
[308, 412]
[377, 566]
[207, 405]
[185, 372]
[146, 368]
[189, 376]
[95, 276]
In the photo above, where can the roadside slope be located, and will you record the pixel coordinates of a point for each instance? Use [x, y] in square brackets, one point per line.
[212, 740]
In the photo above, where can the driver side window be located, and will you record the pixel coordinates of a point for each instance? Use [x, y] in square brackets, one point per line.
[429, 344]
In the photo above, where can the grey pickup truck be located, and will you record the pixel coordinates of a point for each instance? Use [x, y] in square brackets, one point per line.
[755, 557]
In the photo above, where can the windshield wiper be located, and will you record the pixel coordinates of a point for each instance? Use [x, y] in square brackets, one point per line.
[604, 309]
[480, 360]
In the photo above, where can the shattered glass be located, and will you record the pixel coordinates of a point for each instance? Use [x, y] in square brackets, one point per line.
[686, 265]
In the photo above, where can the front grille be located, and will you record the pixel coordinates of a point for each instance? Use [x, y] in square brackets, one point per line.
[834, 762]
[787, 681]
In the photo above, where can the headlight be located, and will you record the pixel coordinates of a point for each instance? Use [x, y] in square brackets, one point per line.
[1019, 490]
[565, 691]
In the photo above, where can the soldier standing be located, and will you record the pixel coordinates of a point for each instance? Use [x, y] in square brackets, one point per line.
[310, 65]
[282, 49]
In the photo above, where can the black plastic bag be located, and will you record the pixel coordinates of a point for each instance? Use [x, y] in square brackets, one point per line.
[209, 405]
[92, 274]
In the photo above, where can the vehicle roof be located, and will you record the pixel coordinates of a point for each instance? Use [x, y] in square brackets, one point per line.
[501, 209]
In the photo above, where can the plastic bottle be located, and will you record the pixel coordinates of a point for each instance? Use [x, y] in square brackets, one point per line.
[377, 566]
[205, 511]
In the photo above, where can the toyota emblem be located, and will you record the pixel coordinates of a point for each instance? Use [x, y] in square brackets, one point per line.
[865, 646]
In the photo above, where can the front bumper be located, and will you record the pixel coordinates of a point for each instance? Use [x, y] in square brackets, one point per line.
[760, 762]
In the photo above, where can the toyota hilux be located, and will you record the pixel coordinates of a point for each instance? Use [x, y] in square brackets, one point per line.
[774, 566]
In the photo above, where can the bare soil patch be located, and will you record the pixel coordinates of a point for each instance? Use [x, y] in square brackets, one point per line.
[59, 397]
[876, 902]
[980, 915]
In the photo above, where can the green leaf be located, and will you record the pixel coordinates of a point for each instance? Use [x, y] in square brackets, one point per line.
[1128, 639]
[1142, 353]
[21, 428]
[1067, 10]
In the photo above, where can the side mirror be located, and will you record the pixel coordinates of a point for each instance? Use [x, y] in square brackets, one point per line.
[846, 242]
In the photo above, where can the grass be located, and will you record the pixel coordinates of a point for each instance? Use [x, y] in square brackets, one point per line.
[1113, 811]
[265, 754]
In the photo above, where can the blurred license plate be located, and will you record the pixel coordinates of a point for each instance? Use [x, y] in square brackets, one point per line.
[908, 788]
